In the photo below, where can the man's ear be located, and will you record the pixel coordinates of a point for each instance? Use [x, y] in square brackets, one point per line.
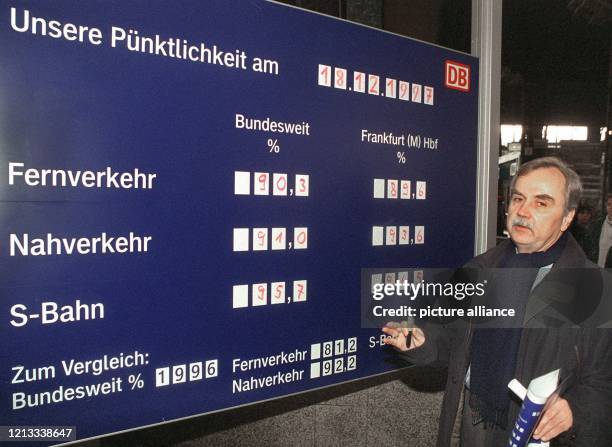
[567, 220]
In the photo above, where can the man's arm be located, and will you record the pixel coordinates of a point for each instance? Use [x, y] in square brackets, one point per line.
[589, 401]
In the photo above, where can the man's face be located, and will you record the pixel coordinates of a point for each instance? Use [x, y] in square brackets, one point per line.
[536, 215]
[584, 217]
[609, 207]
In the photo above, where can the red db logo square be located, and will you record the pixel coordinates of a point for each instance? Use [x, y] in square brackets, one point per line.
[457, 76]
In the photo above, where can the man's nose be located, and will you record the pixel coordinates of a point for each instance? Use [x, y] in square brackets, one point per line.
[523, 210]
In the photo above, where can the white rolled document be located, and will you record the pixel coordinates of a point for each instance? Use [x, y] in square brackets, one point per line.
[534, 399]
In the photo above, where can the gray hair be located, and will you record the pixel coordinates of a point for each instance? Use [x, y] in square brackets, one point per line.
[573, 185]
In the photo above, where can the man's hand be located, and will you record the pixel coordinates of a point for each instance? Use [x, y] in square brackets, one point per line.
[398, 336]
[555, 420]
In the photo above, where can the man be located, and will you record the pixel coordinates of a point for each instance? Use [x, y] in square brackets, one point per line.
[478, 409]
[599, 238]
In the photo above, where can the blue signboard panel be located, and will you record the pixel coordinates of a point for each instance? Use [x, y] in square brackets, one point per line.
[190, 189]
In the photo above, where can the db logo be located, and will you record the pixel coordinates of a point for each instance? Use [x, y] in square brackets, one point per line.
[457, 76]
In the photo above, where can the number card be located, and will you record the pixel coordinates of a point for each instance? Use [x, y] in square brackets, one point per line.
[212, 368]
[240, 296]
[279, 184]
[352, 344]
[391, 237]
[419, 235]
[162, 376]
[279, 238]
[300, 238]
[416, 93]
[404, 235]
[179, 374]
[421, 190]
[196, 371]
[315, 370]
[260, 239]
[428, 93]
[340, 78]
[242, 183]
[389, 278]
[391, 88]
[241, 239]
[261, 183]
[379, 188]
[405, 189]
[377, 236]
[260, 294]
[339, 347]
[373, 84]
[315, 351]
[418, 276]
[328, 367]
[300, 292]
[351, 362]
[359, 82]
[338, 365]
[377, 278]
[328, 349]
[278, 293]
[301, 185]
[324, 75]
[392, 189]
[404, 91]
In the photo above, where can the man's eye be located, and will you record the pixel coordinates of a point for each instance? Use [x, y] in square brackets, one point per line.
[542, 204]
[516, 199]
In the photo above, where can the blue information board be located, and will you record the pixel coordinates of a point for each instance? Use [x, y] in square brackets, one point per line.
[190, 189]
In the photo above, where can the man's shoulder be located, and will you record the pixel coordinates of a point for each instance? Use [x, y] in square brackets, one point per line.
[490, 257]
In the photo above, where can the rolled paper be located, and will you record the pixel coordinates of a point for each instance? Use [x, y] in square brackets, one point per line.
[534, 399]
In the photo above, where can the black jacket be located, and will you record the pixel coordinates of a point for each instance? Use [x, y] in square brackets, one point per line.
[549, 341]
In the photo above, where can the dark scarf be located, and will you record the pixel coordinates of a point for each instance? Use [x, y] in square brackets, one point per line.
[494, 351]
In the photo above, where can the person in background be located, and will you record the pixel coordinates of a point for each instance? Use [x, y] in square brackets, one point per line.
[582, 223]
[599, 238]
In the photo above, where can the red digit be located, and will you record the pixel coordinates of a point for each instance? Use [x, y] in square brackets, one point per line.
[263, 179]
[373, 84]
[339, 78]
[359, 79]
[301, 237]
[325, 72]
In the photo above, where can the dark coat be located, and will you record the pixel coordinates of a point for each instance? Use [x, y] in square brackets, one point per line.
[549, 341]
[591, 242]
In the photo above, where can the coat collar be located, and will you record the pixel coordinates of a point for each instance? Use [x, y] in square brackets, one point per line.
[568, 293]
[553, 301]
[572, 255]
